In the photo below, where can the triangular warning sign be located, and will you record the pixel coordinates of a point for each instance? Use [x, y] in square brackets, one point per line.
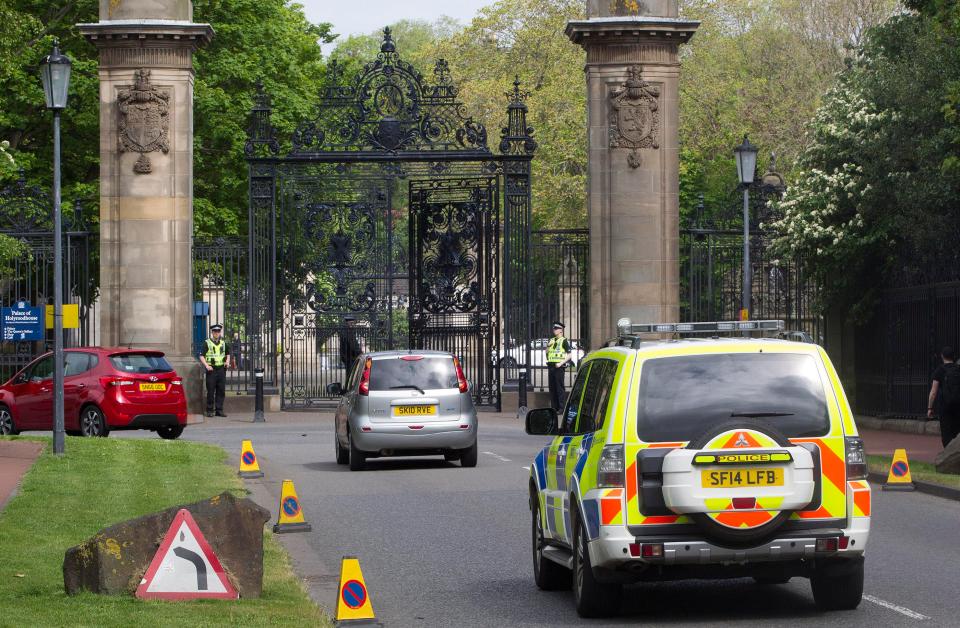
[185, 567]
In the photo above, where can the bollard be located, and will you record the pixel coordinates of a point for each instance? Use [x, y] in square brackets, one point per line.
[522, 393]
[258, 397]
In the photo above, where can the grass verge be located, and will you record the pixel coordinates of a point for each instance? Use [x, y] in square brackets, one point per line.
[923, 471]
[64, 500]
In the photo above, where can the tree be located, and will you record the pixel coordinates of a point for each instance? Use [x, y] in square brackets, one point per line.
[875, 203]
[525, 38]
[759, 68]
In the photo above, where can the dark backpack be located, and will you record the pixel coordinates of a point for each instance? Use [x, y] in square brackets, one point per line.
[950, 397]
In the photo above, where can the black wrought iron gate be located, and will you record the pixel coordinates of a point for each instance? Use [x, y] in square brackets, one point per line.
[389, 223]
[454, 280]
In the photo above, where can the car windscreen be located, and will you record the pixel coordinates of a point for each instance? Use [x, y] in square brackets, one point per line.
[140, 363]
[682, 397]
[412, 372]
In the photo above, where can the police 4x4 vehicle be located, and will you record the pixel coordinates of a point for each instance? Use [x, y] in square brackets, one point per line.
[700, 458]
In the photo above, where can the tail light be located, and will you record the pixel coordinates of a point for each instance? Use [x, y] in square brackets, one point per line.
[610, 468]
[461, 380]
[856, 459]
[108, 382]
[365, 378]
[176, 382]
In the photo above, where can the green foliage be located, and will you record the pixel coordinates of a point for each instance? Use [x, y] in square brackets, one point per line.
[759, 68]
[874, 203]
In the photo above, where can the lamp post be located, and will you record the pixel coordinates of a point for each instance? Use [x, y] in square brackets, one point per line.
[746, 167]
[55, 71]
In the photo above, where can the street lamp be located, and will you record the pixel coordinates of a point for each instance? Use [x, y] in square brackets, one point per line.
[55, 71]
[746, 167]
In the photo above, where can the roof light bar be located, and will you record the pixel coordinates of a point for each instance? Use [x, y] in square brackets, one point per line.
[626, 327]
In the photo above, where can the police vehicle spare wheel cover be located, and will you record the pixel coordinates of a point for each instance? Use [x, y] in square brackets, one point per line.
[746, 536]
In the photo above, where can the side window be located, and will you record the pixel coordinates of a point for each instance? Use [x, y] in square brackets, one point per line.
[586, 419]
[42, 370]
[352, 380]
[75, 363]
[572, 409]
[606, 389]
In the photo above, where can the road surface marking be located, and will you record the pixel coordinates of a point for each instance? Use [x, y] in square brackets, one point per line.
[497, 456]
[896, 608]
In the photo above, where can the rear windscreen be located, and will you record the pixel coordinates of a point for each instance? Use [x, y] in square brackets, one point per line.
[682, 397]
[400, 373]
[140, 363]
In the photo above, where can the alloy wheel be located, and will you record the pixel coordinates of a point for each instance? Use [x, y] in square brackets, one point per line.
[6, 422]
[90, 423]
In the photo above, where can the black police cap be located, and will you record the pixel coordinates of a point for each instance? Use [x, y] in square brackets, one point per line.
[216, 327]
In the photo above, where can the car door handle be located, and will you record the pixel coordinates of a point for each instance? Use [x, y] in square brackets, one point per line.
[81, 385]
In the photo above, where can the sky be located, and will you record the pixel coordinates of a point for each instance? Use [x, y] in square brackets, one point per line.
[361, 17]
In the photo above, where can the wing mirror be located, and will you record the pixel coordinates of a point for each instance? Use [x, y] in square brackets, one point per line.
[542, 421]
[335, 389]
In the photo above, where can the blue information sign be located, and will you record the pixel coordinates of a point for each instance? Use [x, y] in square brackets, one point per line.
[22, 322]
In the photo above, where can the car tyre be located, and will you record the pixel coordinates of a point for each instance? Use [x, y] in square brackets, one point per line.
[7, 426]
[93, 423]
[592, 598]
[358, 459]
[838, 592]
[548, 575]
[170, 432]
[451, 456]
[468, 457]
[343, 455]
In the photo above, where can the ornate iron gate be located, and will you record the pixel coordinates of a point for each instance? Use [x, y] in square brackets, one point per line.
[454, 284]
[382, 224]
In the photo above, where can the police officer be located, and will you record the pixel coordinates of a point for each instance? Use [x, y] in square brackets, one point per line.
[559, 354]
[349, 344]
[215, 357]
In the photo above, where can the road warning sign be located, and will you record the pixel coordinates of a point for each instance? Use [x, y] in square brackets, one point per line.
[290, 518]
[898, 479]
[249, 465]
[353, 601]
[185, 567]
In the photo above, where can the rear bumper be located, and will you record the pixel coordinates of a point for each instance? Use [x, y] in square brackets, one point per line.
[387, 439]
[690, 556]
[129, 416]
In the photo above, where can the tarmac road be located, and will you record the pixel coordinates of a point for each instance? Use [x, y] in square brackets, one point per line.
[440, 545]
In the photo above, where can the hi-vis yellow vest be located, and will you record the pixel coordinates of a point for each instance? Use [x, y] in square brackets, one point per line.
[555, 352]
[216, 353]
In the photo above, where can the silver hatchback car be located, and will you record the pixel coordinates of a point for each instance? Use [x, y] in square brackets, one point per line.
[405, 403]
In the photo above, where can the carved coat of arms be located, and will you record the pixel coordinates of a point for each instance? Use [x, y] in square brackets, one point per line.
[635, 116]
[144, 120]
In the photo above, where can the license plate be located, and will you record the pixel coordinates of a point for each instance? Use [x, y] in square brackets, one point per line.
[153, 387]
[735, 478]
[414, 410]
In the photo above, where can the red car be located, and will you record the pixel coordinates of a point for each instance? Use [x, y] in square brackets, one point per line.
[103, 389]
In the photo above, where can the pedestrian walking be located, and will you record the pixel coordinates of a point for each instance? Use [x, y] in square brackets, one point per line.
[559, 354]
[349, 343]
[944, 398]
[215, 357]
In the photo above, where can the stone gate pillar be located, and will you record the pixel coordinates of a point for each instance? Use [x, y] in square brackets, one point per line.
[146, 177]
[633, 184]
